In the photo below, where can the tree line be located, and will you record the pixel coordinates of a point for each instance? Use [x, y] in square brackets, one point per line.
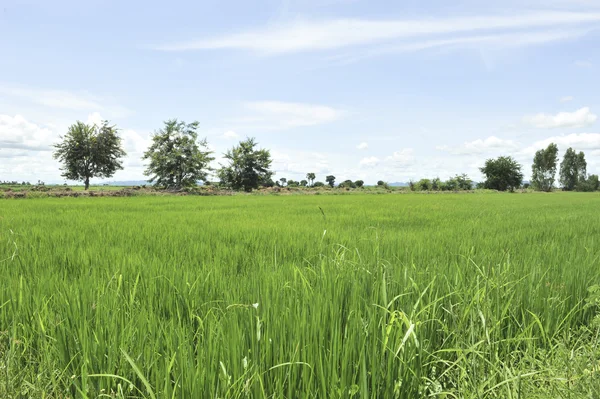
[177, 159]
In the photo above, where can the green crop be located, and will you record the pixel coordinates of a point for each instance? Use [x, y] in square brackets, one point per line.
[363, 296]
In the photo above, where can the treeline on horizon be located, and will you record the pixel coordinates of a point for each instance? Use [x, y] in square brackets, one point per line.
[177, 159]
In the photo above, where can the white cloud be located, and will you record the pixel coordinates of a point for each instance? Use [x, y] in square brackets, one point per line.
[566, 99]
[362, 146]
[297, 36]
[369, 161]
[580, 118]
[230, 135]
[16, 133]
[583, 64]
[402, 157]
[286, 115]
[480, 146]
[579, 141]
[53, 98]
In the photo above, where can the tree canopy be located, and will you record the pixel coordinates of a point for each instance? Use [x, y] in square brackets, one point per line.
[502, 173]
[544, 168]
[89, 151]
[248, 167]
[176, 158]
[573, 169]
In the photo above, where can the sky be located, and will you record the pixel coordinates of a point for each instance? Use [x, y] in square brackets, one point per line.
[361, 89]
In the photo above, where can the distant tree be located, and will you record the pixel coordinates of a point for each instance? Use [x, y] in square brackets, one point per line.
[303, 183]
[480, 185]
[412, 185]
[423, 185]
[502, 173]
[380, 183]
[526, 185]
[573, 169]
[347, 184]
[330, 180]
[176, 158]
[436, 184]
[311, 178]
[450, 184]
[359, 183]
[590, 184]
[248, 167]
[318, 184]
[292, 183]
[283, 180]
[543, 169]
[463, 182]
[89, 151]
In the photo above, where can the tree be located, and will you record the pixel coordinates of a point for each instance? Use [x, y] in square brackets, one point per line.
[318, 184]
[176, 158]
[381, 183]
[463, 182]
[89, 151]
[347, 184]
[436, 184]
[248, 167]
[573, 169]
[283, 180]
[502, 173]
[330, 180]
[588, 185]
[359, 183]
[311, 178]
[423, 185]
[543, 169]
[303, 183]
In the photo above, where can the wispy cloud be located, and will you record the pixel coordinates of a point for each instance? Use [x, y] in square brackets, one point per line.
[62, 99]
[480, 146]
[302, 35]
[580, 118]
[274, 115]
[566, 99]
[362, 146]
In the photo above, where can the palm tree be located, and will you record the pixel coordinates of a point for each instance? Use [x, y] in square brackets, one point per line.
[311, 178]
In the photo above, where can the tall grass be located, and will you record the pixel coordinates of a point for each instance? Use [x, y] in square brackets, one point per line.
[453, 296]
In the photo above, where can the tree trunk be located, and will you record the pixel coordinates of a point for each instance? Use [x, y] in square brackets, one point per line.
[87, 183]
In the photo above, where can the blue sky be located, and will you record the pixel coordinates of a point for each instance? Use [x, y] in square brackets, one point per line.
[358, 89]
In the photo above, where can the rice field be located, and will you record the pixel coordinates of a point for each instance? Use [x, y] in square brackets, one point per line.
[350, 296]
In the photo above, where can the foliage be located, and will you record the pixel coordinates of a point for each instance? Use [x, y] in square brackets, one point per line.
[311, 178]
[463, 182]
[359, 183]
[347, 184]
[248, 167]
[303, 183]
[436, 184]
[423, 185]
[589, 184]
[176, 158]
[318, 184]
[330, 180]
[388, 296]
[380, 183]
[544, 168]
[573, 169]
[283, 181]
[502, 173]
[89, 151]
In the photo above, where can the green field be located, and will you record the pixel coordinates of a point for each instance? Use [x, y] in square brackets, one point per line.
[371, 296]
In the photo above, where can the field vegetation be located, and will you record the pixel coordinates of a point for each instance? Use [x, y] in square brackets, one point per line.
[350, 296]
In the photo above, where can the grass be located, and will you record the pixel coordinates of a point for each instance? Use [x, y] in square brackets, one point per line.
[375, 296]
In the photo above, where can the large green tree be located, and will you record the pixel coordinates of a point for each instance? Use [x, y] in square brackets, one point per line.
[248, 167]
[543, 169]
[176, 158]
[89, 151]
[573, 169]
[502, 173]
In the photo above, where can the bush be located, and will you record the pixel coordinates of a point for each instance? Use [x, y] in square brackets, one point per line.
[588, 185]
[423, 185]
[318, 184]
[347, 184]
[359, 183]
